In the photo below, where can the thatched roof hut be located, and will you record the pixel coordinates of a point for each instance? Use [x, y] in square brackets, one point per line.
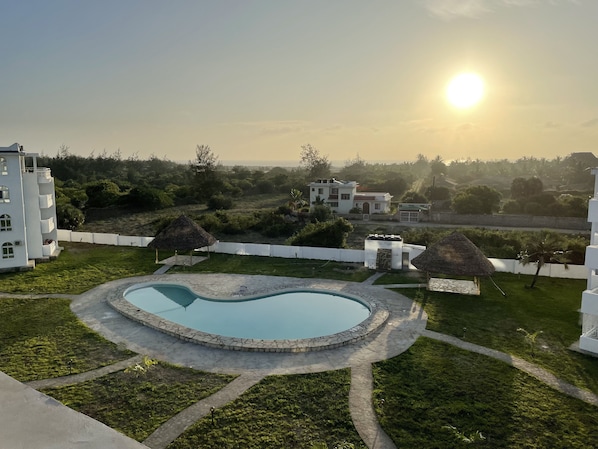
[183, 234]
[454, 255]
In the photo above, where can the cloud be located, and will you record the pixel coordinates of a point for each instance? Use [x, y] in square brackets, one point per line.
[590, 123]
[464, 127]
[472, 9]
[550, 125]
[278, 127]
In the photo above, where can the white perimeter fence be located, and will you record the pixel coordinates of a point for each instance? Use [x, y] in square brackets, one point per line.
[307, 252]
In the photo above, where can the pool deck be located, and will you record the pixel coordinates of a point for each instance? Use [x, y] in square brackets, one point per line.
[405, 322]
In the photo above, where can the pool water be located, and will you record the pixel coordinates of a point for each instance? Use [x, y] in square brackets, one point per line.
[283, 316]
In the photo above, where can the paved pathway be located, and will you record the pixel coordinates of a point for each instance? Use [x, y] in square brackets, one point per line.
[82, 377]
[362, 409]
[533, 370]
[175, 426]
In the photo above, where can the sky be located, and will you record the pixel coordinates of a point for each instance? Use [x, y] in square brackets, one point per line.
[257, 79]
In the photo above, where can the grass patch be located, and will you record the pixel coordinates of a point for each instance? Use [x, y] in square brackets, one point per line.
[492, 320]
[401, 277]
[280, 412]
[434, 385]
[276, 266]
[80, 267]
[136, 406]
[41, 336]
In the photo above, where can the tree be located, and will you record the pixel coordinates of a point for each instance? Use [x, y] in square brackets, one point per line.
[525, 188]
[434, 193]
[542, 248]
[206, 179]
[476, 200]
[317, 165]
[102, 193]
[297, 201]
[148, 198]
[413, 197]
[438, 167]
[327, 234]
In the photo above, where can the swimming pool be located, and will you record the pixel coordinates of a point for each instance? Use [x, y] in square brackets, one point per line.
[255, 294]
[288, 315]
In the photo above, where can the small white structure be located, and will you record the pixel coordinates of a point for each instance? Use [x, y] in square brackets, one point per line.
[385, 252]
[27, 210]
[588, 341]
[342, 196]
[413, 212]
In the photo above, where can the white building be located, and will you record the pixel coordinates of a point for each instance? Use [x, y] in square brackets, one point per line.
[342, 196]
[588, 341]
[27, 210]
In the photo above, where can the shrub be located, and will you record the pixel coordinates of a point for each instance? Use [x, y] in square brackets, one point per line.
[330, 234]
[219, 201]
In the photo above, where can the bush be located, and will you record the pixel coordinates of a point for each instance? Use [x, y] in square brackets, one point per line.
[220, 202]
[147, 198]
[320, 213]
[330, 234]
[68, 216]
[102, 193]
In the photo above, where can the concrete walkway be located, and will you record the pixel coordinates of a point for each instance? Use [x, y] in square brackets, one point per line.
[175, 426]
[533, 370]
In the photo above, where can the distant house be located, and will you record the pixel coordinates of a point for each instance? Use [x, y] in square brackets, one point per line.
[342, 196]
[28, 229]
[413, 212]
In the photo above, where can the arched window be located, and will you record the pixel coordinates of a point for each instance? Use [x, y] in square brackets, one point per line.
[5, 223]
[8, 251]
[4, 197]
[3, 166]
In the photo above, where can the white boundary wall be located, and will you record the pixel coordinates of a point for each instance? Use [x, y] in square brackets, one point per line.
[308, 252]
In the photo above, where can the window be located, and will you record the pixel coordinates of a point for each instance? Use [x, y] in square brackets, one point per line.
[4, 197]
[334, 190]
[345, 196]
[5, 223]
[8, 251]
[333, 204]
[3, 166]
[377, 206]
[320, 191]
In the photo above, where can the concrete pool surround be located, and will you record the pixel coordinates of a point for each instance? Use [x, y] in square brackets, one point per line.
[377, 317]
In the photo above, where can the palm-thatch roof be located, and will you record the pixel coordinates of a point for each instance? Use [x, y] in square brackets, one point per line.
[455, 255]
[183, 234]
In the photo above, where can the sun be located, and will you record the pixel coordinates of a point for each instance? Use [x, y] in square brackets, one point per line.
[465, 90]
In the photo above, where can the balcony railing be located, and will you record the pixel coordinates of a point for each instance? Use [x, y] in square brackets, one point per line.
[48, 225]
[46, 201]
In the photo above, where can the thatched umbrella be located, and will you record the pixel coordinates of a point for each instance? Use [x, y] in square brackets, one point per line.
[454, 255]
[183, 234]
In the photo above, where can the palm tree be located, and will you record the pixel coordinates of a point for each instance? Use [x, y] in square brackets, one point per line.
[296, 202]
[542, 248]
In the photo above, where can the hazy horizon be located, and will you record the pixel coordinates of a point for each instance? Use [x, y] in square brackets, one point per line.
[256, 80]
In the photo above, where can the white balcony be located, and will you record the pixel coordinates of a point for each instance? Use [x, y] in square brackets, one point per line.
[48, 225]
[589, 302]
[49, 249]
[46, 201]
[44, 175]
[589, 341]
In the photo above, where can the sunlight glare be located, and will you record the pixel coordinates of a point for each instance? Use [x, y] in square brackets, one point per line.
[465, 90]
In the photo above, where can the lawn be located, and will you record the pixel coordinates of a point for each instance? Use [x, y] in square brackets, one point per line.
[280, 412]
[492, 320]
[430, 386]
[138, 405]
[434, 385]
[42, 338]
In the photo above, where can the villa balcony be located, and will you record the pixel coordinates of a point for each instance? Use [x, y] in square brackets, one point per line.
[46, 201]
[44, 175]
[48, 225]
[49, 249]
[592, 257]
[589, 341]
[589, 302]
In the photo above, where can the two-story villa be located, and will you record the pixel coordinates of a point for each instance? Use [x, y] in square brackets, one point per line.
[27, 210]
[342, 196]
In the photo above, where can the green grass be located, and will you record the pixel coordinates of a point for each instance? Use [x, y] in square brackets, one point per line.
[492, 320]
[280, 412]
[79, 268]
[401, 277]
[41, 336]
[275, 266]
[434, 385]
[136, 406]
